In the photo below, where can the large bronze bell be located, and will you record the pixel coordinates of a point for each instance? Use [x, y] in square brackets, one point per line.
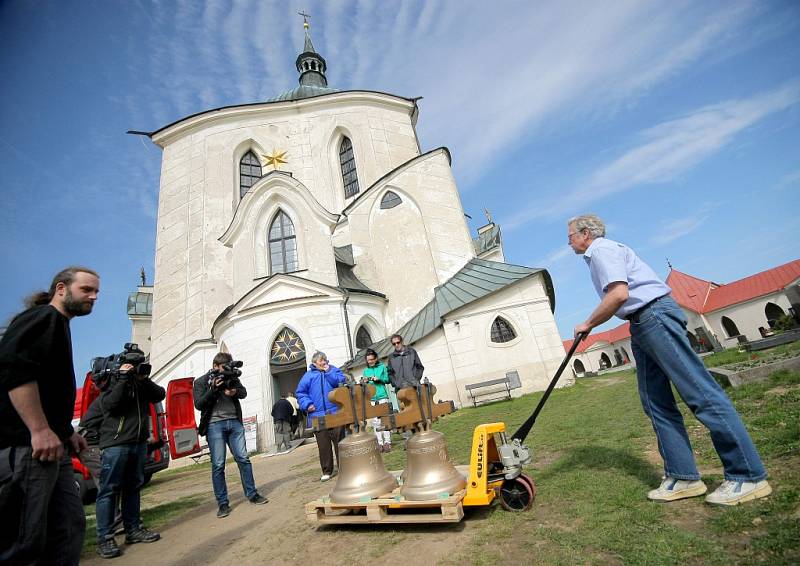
[429, 472]
[362, 474]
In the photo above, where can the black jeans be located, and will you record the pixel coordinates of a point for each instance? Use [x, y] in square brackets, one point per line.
[41, 510]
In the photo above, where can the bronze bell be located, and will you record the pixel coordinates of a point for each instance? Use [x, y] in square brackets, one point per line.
[361, 472]
[429, 472]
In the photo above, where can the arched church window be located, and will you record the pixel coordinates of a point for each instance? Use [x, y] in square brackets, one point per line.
[348, 162]
[390, 200]
[363, 339]
[502, 331]
[249, 172]
[282, 245]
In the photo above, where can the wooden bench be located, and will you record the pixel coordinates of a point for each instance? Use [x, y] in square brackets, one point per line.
[497, 393]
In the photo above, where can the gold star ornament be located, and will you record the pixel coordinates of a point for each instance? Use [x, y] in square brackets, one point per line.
[276, 158]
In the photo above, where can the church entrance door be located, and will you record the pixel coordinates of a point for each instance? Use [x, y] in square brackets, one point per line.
[287, 364]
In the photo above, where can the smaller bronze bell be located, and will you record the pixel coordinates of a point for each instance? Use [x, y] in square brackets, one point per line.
[362, 474]
[429, 472]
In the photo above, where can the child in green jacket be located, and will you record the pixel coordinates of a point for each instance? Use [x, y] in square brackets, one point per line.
[376, 374]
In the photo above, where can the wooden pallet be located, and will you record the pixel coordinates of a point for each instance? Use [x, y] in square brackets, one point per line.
[391, 508]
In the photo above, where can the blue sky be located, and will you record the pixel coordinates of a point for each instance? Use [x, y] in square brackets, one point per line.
[678, 122]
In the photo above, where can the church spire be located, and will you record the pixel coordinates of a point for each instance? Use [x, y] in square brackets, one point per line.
[309, 63]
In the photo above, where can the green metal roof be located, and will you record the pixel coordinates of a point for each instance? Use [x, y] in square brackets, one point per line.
[477, 279]
[344, 254]
[302, 91]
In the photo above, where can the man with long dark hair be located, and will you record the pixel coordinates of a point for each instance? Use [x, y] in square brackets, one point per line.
[39, 504]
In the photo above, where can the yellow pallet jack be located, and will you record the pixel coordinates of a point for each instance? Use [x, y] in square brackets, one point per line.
[495, 464]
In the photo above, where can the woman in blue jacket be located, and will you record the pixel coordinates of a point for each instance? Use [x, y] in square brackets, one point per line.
[312, 395]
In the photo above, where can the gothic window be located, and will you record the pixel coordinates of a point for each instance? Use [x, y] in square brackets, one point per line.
[390, 200]
[502, 331]
[363, 339]
[348, 162]
[249, 172]
[282, 245]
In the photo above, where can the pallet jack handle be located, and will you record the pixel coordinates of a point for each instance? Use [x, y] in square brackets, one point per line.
[526, 427]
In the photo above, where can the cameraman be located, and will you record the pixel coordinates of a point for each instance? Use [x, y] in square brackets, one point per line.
[123, 439]
[216, 396]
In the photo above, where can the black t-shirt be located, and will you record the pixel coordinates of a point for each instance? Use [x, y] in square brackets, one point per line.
[37, 346]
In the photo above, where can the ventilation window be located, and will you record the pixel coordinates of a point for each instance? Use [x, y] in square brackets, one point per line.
[249, 172]
[348, 162]
[282, 245]
[502, 331]
[390, 200]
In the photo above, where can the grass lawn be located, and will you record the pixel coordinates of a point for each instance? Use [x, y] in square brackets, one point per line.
[594, 459]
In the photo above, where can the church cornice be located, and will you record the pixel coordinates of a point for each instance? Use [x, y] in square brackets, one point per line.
[380, 183]
[322, 293]
[166, 134]
[267, 184]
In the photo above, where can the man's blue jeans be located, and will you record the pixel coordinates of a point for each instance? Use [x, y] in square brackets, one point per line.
[229, 432]
[122, 473]
[663, 355]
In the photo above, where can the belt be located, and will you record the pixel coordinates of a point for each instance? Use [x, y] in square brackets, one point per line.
[634, 316]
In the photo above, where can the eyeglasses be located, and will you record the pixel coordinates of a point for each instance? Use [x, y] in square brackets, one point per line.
[396, 343]
[569, 236]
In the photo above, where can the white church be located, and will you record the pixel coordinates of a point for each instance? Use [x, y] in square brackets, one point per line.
[315, 221]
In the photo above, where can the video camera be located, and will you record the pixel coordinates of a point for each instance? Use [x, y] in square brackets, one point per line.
[106, 370]
[230, 374]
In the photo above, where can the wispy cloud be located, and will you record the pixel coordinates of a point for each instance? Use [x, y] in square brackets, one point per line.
[675, 228]
[666, 151]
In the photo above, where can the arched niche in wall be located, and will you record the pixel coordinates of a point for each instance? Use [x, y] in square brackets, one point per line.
[773, 313]
[730, 327]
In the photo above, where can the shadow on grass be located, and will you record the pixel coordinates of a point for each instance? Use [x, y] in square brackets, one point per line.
[602, 458]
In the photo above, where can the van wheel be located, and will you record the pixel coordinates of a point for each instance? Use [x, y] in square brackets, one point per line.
[80, 486]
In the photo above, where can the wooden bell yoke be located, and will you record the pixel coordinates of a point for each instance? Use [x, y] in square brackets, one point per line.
[354, 409]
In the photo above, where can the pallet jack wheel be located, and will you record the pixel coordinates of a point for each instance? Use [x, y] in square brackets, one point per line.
[516, 495]
[530, 483]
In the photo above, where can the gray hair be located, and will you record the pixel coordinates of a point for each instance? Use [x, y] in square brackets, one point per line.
[591, 222]
[318, 356]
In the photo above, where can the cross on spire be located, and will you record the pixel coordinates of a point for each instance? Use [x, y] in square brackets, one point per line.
[305, 18]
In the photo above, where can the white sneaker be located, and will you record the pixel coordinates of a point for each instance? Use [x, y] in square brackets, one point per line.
[325, 477]
[735, 492]
[672, 489]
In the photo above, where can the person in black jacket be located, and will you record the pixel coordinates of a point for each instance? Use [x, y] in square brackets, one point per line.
[123, 440]
[405, 367]
[282, 412]
[221, 424]
[43, 520]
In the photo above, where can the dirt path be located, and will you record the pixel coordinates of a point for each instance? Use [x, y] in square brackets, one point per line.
[278, 532]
